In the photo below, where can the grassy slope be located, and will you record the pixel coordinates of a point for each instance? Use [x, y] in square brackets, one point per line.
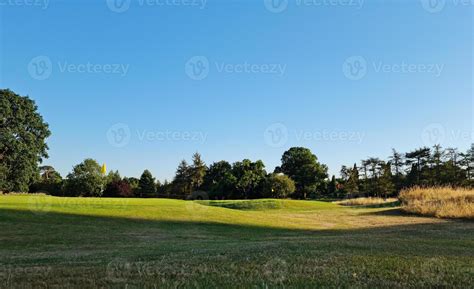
[73, 242]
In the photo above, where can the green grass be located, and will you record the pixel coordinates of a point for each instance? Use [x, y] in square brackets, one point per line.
[154, 243]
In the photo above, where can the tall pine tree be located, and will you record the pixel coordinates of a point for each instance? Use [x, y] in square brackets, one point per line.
[197, 172]
[146, 185]
[182, 181]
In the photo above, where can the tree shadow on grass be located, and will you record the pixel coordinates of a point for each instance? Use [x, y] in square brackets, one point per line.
[399, 212]
[83, 251]
[384, 205]
[393, 212]
[25, 231]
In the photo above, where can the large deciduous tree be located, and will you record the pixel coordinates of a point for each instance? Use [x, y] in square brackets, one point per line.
[118, 188]
[85, 180]
[49, 181]
[279, 186]
[219, 180]
[23, 133]
[302, 166]
[250, 178]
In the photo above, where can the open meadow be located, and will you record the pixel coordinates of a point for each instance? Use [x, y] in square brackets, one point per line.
[236, 144]
[52, 242]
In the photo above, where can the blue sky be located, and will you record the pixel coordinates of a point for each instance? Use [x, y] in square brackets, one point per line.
[144, 84]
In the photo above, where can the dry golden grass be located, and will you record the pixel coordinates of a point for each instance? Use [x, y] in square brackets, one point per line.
[443, 202]
[366, 201]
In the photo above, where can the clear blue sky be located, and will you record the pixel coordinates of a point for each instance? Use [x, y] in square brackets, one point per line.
[412, 83]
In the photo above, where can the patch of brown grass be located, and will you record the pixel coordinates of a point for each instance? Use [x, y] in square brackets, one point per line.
[442, 202]
[366, 201]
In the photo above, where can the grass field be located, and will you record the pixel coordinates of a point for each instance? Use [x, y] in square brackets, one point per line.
[49, 242]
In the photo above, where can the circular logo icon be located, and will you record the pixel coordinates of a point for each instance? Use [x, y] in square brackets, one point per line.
[118, 6]
[121, 203]
[119, 135]
[40, 67]
[276, 6]
[276, 270]
[355, 67]
[433, 6]
[118, 270]
[197, 202]
[276, 135]
[39, 204]
[433, 134]
[197, 67]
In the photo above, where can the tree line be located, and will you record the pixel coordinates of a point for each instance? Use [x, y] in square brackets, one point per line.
[424, 167]
[299, 176]
[23, 147]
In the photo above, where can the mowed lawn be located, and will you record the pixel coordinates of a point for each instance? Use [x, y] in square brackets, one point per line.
[50, 242]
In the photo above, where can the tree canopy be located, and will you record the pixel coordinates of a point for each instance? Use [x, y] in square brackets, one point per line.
[302, 166]
[85, 180]
[23, 147]
[23, 134]
[146, 185]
